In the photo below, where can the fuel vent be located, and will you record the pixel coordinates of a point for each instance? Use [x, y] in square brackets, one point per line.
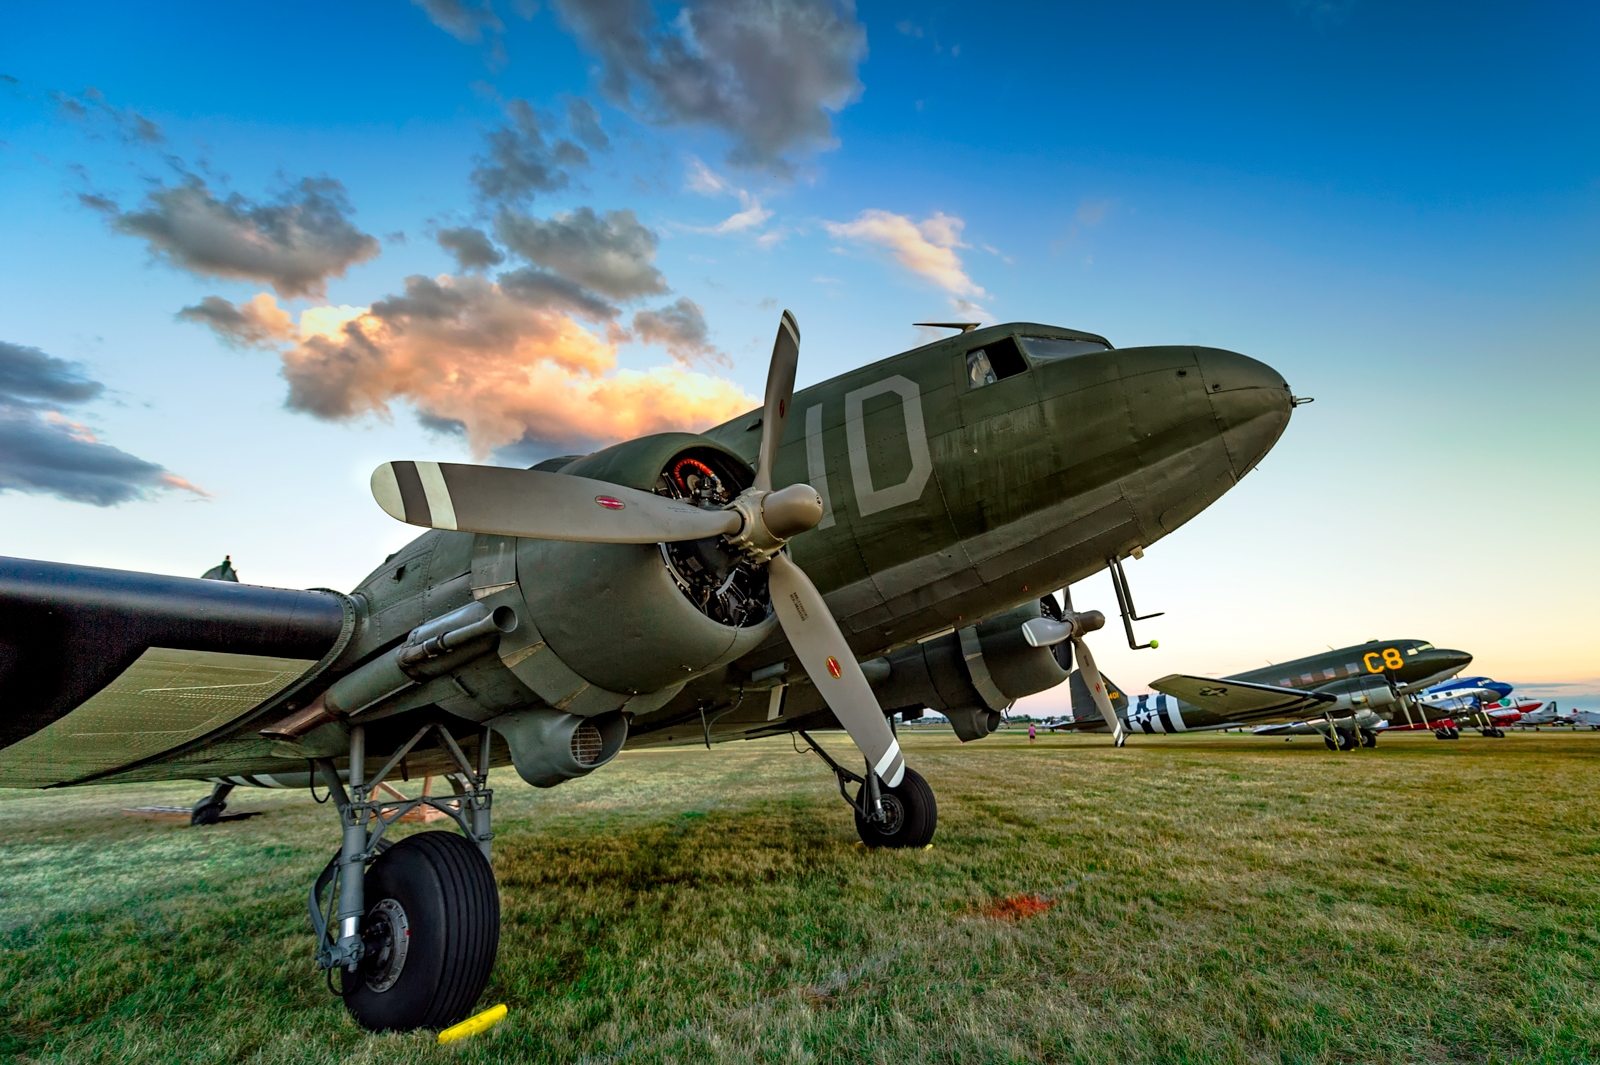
[586, 745]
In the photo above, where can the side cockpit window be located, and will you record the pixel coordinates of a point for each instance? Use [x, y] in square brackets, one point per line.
[993, 362]
[1047, 349]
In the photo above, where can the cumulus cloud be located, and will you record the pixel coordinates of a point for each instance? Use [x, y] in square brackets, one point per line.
[613, 255]
[256, 323]
[680, 328]
[707, 182]
[471, 248]
[466, 351]
[926, 248]
[44, 451]
[768, 73]
[520, 162]
[294, 243]
[584, 121]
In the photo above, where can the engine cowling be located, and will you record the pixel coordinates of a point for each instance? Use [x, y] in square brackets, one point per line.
[974, 674]
[1361, 693]
[644, 617]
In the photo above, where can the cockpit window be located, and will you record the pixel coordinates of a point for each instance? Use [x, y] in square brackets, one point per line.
[1424, 646]
[1050, 348]
[993, 362]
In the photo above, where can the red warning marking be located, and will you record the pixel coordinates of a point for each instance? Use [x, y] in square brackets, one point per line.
[610, 502]
[833, 666]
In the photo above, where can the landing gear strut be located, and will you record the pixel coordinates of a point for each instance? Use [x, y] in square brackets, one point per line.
[413, 927]
[902, 816]
[1369, 738]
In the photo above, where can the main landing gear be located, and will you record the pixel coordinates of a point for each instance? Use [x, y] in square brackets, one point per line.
[208, 811]
[1348, 740]
[901, 816]
[413, 926]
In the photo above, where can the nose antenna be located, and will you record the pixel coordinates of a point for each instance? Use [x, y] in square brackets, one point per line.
[965, 327]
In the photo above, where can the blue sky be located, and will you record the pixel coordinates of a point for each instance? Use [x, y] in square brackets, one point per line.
[1395, 205]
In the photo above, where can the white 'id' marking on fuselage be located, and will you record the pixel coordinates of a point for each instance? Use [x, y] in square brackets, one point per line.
[870, 500]
[817, 464]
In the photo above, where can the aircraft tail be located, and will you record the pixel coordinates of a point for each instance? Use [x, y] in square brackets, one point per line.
[1083, 707]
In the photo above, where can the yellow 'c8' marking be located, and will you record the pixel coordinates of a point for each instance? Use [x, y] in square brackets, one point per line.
[1392, 659]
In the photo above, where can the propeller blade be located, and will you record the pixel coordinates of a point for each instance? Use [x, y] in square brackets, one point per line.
[543, 506]
[1097, 689]
[827, 659]
[780, 391]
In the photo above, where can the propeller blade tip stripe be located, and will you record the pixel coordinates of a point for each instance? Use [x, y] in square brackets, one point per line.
[888, 762]
[440, 508]
[413, 500]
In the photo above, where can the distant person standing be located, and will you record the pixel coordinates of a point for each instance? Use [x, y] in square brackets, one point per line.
[1031, 733]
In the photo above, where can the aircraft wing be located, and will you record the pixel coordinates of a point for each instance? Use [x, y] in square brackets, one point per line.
[1238, 700]
[103, 669]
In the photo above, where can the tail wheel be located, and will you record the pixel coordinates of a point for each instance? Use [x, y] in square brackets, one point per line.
[911, 815]
[432, 929]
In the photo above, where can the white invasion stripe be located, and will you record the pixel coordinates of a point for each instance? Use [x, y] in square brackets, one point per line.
[443, 512]
[1174, 714]
[775, 703]
[888, 758]
[386, 490]
[899, 775]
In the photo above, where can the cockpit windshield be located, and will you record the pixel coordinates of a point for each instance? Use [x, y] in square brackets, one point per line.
[1047, 349]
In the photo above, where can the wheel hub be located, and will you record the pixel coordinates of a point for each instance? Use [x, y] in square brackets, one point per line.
[387, 936]
[894, 815]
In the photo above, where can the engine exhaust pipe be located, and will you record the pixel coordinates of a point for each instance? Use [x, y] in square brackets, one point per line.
[430, 649]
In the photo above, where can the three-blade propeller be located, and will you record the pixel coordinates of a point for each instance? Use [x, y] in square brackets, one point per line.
[1043, 632]
[555, 506]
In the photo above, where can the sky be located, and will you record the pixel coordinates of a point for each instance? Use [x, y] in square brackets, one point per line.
[249, 252]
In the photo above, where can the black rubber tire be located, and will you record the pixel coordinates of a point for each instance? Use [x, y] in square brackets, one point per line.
[208, 814]
[1348, 741]
[1369, 738]
[913, 815]
[446, 889]
[1329, 741]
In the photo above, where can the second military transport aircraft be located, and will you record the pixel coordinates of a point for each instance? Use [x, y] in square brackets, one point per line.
[1353, 692]
[875, 542]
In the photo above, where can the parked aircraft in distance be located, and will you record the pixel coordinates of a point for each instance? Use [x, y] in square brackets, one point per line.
[1353, 689]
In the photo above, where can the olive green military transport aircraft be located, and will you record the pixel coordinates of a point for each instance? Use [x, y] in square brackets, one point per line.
[1347, 696]
[872, 544]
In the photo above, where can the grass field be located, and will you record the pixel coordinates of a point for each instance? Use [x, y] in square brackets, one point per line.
[1210, 899]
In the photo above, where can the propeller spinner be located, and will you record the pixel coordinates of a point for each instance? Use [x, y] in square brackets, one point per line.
[758, 523]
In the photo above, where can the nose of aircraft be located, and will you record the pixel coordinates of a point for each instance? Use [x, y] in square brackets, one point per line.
[1439, 659]
[1251, 401]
